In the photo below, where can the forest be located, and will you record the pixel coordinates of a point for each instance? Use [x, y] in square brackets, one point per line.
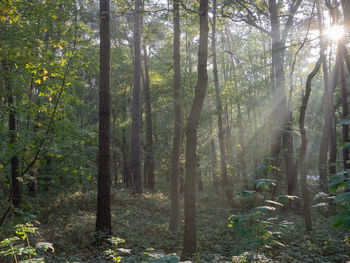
[174, 131]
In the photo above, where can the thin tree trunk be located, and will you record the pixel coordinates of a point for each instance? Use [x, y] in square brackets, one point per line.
[15, 192]
[221, 134]
[212, 148]
[190, 240]
[103, 217]
[241, 143]
[304, 189]
[149, 161]
[331, 115]
[345, 127]
[136, 109]
[324, 146]
[174, 223]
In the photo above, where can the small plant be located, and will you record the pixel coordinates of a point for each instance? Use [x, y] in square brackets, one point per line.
[113, 254]
[19, 246]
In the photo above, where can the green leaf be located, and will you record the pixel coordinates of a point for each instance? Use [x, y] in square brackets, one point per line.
[246, 193]
[321, 195]
[287, 197]
[264, 209]
[336, 221]
[273, 202]
[343, 197]
[344, 122]
[319, 205]
[264, 183]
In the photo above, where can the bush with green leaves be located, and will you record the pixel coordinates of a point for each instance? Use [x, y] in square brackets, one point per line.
[261, 227]
[340, 187]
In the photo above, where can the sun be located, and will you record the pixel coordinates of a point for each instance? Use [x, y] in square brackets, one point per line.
[335, 33]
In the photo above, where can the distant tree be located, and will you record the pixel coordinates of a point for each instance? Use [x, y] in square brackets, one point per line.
[103, 217]
[221, 133]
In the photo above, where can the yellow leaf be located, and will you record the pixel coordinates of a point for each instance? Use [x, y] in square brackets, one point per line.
[38, 81]
[45, 71]
[45, 78]
[39, 124]
[69, 83]
[59, 45]
[50, 99]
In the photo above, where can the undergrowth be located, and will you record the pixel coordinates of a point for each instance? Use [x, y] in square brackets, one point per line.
[68, 220]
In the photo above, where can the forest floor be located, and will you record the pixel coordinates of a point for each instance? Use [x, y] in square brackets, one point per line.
[68, 221]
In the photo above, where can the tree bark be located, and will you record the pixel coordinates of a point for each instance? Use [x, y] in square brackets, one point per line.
[174, 223]
[190, 240]
[103, 217]
[135, 159]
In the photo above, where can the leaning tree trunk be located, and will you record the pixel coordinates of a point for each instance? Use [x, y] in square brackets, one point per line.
[174, 223]
[190, 240]
[304, 189]
[135, 160]
[103, 217]
[223, 166]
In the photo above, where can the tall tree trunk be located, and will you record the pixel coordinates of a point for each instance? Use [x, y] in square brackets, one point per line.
[331, 115]
[241, 154]
[15, 192]
[127, 178]
[345, 127]
[282, 126]
[103, 217]
[304, 189]
[221, 134]
[149, 161]
[136, 109]
[324, 146]
[212, 147]
[242, 146]
[174, 223]
[190, 239]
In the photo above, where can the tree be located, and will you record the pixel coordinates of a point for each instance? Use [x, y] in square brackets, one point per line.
[103, 217]
[190, 240]
[135, 160]
[15, 192]
[221, 134]
[149, 160]
[174, 223]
